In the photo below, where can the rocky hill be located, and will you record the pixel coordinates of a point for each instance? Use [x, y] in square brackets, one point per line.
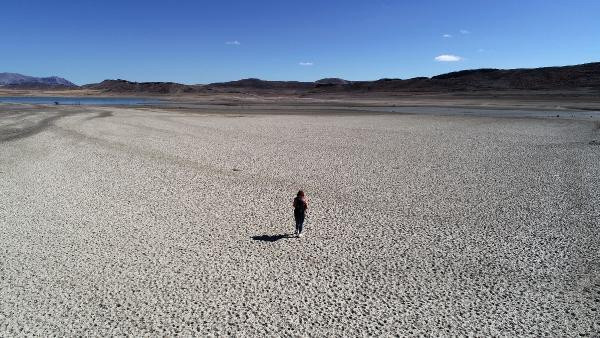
[253, 83]
[123, 86]
[585, 76]
[14, 80]
[331, 81]
[547, 78]
[567, 77]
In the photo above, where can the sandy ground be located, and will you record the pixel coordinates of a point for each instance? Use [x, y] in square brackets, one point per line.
[548, 100]
[118, 221]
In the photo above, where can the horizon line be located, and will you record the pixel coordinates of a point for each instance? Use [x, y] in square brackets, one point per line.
[327, 77]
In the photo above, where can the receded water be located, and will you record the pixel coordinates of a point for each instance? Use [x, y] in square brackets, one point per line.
[64, 100]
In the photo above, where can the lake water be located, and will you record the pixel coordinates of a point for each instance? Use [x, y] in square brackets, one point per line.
[62, 100]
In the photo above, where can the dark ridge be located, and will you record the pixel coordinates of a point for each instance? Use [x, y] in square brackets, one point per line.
[567, 77]
[385, 79]
[585, 76]
[263, 84]
[123, 86]
[332, 81]
[549, 78]
[462, 73]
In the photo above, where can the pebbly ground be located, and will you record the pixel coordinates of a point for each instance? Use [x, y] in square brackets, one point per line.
[121, 221]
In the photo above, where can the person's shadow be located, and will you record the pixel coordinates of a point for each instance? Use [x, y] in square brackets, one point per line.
[272, 238]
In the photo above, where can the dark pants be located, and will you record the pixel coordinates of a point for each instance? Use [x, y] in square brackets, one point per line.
[299, 217]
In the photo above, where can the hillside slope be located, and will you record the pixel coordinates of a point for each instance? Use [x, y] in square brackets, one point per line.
[20, 80]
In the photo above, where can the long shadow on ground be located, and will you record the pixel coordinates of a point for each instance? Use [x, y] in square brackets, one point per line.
[272, 238]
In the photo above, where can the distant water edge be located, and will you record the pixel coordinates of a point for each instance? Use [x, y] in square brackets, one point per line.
[85, 101]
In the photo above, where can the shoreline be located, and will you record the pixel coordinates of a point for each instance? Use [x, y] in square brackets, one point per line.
[331, 109]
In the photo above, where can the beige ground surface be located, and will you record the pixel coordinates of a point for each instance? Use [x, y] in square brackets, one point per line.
[121, 221]
[507, 99]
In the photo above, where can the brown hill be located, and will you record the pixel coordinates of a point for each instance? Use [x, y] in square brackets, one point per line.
[567, 77]
[585, 76]
[331, 81]
[550, 78]
[253, 83]
[123, 86]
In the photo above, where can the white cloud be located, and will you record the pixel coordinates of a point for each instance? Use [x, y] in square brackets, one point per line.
[464, 31]
[306, 63]
[447, 35]
[447, 58]
[234, 42]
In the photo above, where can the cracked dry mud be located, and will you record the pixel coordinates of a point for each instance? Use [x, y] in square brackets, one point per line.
[139, 222]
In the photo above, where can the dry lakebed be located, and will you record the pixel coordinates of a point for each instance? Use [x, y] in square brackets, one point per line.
[150, 221]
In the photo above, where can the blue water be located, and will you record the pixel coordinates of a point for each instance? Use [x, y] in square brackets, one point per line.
[62, 100]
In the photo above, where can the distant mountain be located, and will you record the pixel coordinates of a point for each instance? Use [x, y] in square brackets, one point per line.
[547, 78]
[585, 76]
[263, 84]
[19, 80]
[123, 86]
[566, 77]
[332, 81]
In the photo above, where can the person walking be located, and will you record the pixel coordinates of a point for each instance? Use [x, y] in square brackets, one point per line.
[300, 207]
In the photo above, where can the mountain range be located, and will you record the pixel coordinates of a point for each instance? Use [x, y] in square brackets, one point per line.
[584, 76]
[19, 80]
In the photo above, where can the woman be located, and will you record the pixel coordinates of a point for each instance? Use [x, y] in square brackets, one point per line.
[300, 207]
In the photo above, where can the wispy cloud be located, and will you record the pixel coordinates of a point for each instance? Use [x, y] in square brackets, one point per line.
[447, 35]
[306, 63]
[481, 50]
[234, 42]
[447, 58]
[464, 31]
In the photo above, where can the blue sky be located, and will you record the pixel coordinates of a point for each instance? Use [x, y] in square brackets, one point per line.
[208, 41]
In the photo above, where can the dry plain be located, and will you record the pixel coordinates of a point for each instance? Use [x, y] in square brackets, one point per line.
[154, 221]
